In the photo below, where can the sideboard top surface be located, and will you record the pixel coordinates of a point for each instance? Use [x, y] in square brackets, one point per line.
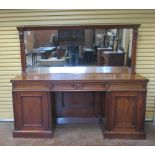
[93, 74]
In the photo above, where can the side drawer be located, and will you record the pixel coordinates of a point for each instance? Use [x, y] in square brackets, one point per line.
[127, 86]
[31, 86]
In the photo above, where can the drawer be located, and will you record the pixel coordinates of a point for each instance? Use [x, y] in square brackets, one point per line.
[94, 86]
[127, 86]
[62, 86]
[78, 86]
[31, 86]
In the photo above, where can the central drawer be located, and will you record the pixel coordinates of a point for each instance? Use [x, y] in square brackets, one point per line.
[62, 86]
[89, 86]
[94, 86]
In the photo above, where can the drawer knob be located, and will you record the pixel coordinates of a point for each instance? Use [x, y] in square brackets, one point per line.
[78, 86]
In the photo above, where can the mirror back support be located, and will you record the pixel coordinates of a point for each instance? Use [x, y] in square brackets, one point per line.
[134, 27]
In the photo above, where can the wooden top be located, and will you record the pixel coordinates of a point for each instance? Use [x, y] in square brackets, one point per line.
[93, 74]
[48, 27]
[40, 70]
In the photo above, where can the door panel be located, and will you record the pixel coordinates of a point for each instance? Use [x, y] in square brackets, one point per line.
[33, 110]
[125, 111]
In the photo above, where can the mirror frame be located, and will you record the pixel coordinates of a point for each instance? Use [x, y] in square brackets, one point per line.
[135, 27]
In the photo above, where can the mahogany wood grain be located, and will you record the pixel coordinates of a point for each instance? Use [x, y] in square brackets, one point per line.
[80, 74]
[118, 99]
[49, 27]
[33, 114]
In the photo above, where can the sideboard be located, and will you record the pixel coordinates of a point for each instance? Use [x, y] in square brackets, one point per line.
[115, 98]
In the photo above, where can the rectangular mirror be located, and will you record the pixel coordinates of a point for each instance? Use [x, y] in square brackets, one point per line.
[78, 46]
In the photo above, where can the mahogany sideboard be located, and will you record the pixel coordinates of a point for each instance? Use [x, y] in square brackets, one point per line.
[116, 98]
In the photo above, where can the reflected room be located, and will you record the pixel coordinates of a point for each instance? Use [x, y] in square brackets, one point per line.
[78, 47]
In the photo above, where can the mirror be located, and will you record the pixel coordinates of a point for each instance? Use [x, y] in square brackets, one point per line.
[78, 46]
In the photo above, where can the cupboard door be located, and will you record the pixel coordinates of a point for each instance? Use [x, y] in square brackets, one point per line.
[126, 111]
[32, 111]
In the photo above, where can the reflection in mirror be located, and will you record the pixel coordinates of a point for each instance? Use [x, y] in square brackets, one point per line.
[78, 47]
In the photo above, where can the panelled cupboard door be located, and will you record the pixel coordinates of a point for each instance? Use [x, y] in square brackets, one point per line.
[32, 111]
[126, 111]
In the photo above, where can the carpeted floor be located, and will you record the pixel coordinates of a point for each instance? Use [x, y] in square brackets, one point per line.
[73, 135]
